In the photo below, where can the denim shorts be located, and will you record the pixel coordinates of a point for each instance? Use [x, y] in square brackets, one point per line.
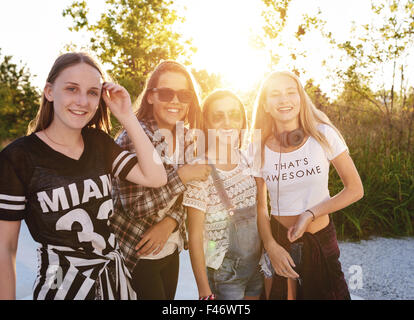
[239, 274]
[235, 280]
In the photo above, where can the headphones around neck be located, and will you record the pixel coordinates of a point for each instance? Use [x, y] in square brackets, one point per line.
[291, 138]
[287, 139]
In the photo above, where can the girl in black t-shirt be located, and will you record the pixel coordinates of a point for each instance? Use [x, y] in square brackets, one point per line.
[58, 178]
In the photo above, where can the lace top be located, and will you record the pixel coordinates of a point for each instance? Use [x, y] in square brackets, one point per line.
[241, 189]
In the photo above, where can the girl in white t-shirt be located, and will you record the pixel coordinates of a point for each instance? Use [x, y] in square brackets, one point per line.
[224, 242]
[298, 143]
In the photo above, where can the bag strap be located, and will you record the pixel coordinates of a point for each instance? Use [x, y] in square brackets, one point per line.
[218, 184]
[243, 157]
[221, 191]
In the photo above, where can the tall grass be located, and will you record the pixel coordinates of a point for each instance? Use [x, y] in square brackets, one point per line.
[386, 167]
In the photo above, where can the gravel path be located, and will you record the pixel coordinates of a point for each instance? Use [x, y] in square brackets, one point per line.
[386, 267]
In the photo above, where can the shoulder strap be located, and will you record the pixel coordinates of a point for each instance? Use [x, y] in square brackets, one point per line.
[243, 157]
[218, 184]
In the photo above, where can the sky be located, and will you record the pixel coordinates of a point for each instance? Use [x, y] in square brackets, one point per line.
[35, 32]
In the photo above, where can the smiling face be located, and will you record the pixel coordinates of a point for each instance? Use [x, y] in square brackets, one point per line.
[75, 95]
[225, 116]
[168, 113]
[283, 101]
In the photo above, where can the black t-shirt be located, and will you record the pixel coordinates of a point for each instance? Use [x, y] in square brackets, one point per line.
[65, 202]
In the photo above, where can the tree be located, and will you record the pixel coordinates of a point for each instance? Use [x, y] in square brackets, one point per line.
[283, 31]
[382, 51]
[19, 100]
[132, 37]
[207, 81]
[318, 97]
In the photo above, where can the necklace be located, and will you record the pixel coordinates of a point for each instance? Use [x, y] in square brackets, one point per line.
[47, 136]
[59, 144]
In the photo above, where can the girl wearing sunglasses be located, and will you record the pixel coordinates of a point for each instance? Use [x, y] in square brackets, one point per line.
[299, 143]
[150, 224]
[58, 178]
[223, 239]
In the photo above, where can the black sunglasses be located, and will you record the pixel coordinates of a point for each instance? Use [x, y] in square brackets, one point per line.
[167, 94]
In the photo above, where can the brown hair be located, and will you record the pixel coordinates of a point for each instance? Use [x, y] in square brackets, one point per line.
[45, 113]
[145, 111]
[309, 116]
[220, 94]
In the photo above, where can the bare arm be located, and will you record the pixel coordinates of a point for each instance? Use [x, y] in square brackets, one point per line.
[142, 202]
[149, 171]
[196, 247]
[280, 258]
[263, 219]
[9, 234]
[155, 238]
[353, 191]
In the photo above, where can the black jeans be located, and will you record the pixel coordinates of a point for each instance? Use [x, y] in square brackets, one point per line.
[156, 279]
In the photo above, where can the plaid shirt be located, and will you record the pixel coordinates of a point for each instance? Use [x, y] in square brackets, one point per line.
[136, 206]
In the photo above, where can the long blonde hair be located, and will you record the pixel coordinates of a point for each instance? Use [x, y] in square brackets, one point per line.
[309, 116]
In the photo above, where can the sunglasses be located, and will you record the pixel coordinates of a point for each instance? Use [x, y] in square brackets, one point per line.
[167, 94]
[233, 116]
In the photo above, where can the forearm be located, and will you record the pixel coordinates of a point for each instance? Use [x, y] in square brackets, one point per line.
[263, 225]
[149, 161]
[7, 276]
[177, 213]
[263, 218]
[341, 200]
[198, 264]
[196, 247]
[353, 189]
[141, 201]
[169, 223]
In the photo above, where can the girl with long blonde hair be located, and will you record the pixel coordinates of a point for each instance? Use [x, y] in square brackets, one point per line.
[299, 143]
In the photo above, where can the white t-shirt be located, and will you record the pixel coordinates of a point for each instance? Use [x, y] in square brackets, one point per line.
[304, 174]
[202, 195]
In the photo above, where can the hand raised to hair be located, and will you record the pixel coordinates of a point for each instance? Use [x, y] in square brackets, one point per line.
[117, 99]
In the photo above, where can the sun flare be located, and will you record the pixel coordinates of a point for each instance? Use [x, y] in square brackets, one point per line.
[223, 32]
